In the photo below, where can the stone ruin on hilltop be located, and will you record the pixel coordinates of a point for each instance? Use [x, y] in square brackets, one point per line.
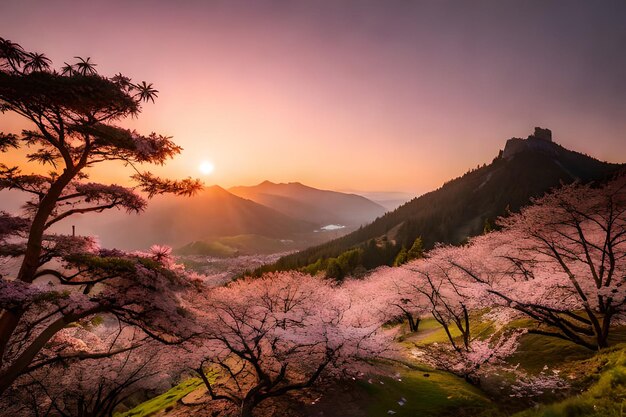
[541, 139]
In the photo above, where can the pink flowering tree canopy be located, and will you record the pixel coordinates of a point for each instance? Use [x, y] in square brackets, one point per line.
[90, 370]
[560, 261]
[266, 337]
[144, 290]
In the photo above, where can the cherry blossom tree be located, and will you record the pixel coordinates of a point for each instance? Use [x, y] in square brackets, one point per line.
[280, 333]
[89, 372]
[73, 118]
[389, 294]
[442, 294]
[480, 356]
[135, 289]
[432, 285]
[560, 261]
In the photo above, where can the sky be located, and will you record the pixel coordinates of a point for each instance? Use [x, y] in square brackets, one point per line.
[347, 95]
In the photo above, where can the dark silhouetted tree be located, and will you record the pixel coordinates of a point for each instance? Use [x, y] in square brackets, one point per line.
[73, 118]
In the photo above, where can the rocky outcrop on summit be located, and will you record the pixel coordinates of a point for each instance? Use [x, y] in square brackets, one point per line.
[540, 140]
[526, 169]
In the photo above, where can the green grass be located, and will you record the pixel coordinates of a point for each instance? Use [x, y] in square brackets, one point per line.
[430, 331]
[229, 246]
[256, 244]
[605, 398]
[215, 248]
[536, 351]
[439, 394]
[602, 375]
[429, 324]
[163, 401]
[435, 333]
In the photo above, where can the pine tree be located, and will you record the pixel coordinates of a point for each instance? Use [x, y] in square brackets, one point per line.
[402, 257]
[333, 270]
[417, 250]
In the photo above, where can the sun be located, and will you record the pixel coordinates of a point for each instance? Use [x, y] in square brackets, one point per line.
[206, 167]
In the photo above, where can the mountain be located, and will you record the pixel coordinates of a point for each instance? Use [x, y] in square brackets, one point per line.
[526, 168]
[212, 213]
[322, 207]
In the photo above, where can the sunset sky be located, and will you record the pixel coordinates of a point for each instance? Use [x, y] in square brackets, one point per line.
[348, 95]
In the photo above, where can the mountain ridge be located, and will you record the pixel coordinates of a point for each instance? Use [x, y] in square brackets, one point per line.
[214, 216]
[321, 206]
[461, 207]
[213, 212]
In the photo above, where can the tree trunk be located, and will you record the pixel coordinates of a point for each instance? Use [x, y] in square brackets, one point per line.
[246, 409]
[472, 380]
[409, 319]
[30, 264]
[466, 331]
[450, 338]
[26, 357]
[603, 336]
[10, 320]
[21, 363]
[602, 339]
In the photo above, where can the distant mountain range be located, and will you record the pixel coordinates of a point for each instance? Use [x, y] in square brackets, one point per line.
[322, 207]
[266, 218]
[210, 214]
[461, 208]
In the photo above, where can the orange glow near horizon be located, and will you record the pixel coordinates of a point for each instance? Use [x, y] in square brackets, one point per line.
[372, 100]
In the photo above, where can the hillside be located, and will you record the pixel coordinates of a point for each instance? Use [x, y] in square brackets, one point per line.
[216, 222]
[526, 168]
[239, 245]
[322, 207]
[214, 212]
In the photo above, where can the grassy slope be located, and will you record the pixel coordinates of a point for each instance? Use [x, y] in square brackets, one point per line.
[438, 394]
[601, 377]
[605, 398]
[228, 246]
[427, 393]
[430, 331]
[535, 352]
[167, 400]
[163, 401]
[214, 248]
[435, 393]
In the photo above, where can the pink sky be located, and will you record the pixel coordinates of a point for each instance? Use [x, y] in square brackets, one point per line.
[347, 95]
